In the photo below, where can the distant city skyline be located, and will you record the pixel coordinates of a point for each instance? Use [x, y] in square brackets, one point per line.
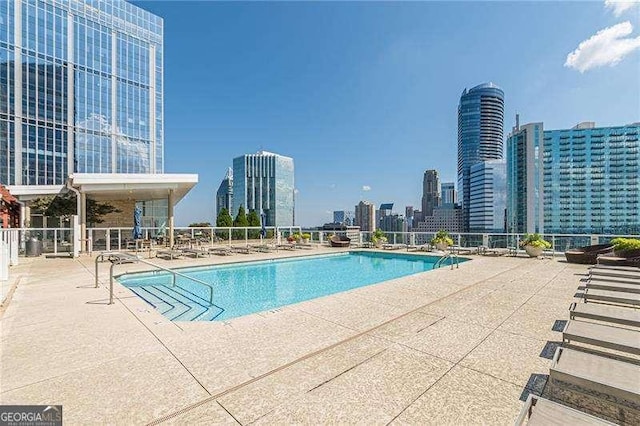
[363, 95]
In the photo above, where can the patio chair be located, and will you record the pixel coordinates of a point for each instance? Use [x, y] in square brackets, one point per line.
[615, 273]
[541, 411]
[600, 386]
[604, 336]
[587, 255]
[605, 313]
[340, 241]
[170, 254]
[617, 297]
[221, 250]
[621, 258]
[196, 252]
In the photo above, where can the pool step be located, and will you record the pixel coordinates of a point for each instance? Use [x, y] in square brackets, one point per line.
[176, 303]
[152, 299]
[159, 292]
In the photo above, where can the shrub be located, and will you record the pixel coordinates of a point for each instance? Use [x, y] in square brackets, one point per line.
[378, 236]
[534, 240]
[442, 237]
[306, 236]
[622, 244]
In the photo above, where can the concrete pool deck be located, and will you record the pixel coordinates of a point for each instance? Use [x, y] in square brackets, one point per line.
[442, 347]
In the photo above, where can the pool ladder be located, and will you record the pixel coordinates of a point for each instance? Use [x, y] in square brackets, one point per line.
[119, 258]
[451, 257]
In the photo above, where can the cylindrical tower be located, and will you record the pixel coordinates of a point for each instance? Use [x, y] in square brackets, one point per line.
[480, 134]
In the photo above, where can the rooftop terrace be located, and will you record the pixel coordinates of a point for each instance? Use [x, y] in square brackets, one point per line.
[447, 346]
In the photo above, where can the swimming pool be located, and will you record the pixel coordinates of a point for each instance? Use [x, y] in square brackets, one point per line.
[244, 288]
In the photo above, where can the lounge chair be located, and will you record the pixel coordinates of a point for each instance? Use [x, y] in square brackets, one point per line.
[614, 273]
[264, 248]
[623, 286]
[340, 241]
[421, 247]
[600, 386]
[286, 246]
[242, 249]
[394, 246]
[541, 411]
[171, 254]
[587, 255]
[621, 258]
[608, 296]
[603, 336]
[605, 313]
[221, 251]
[196, 252]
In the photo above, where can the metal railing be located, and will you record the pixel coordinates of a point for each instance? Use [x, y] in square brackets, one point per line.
[118, 258]
[446, 256]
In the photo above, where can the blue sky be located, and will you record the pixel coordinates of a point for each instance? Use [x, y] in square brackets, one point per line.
[365, 94]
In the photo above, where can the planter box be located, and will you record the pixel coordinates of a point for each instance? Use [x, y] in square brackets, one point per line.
[533, 251]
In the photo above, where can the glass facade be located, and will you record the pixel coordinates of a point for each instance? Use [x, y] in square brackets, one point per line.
[591, 180]
[488, 196]
[81, 90]
[480, 133]
[224, 196]
[264, 182]
[524, 179]
[449, 195]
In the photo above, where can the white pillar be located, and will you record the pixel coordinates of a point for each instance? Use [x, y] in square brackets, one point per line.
[170, 217]
[83, 221]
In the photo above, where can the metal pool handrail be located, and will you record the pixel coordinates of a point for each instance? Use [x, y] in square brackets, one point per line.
[121, 258]
[446, 256]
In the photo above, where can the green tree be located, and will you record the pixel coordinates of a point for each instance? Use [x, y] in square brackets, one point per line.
[254, 220]
[224, 218]
[239, 222]
[64, 205]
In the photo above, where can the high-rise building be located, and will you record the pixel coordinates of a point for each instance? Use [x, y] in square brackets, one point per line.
[448, 218]
[393, 223]
[525, 168]
[265, 182]
[365, 216]
[430, 192]
[488, 196]
[408, 214]
[224, 196]
[449, 194]
[82, 104]
[480, 133]
[343, 217]
[85, 90]
[591, 182]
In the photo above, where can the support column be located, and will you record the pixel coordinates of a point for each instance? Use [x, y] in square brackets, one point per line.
[170, 217]
[83, 221]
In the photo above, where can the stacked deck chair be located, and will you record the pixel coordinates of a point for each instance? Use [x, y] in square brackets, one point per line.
[597, 368]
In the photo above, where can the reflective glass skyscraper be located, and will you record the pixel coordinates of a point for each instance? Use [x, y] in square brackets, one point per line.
[264, 182]
[525, 192]
[80, 90]
[488, 196]
[591, 179]
[224, 195]
[480, 134]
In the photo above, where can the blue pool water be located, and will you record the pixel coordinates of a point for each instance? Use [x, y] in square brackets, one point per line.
[244, 288]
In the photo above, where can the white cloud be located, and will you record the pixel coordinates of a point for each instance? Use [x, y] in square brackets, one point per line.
[607, 47]
[366, 188]
[618, 7]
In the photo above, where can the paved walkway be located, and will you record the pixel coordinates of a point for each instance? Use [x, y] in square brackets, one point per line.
[441, 347]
